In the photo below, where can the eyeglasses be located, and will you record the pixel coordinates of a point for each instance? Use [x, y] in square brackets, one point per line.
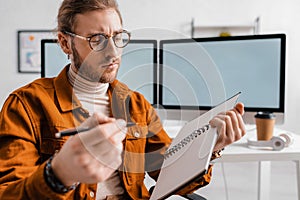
[99, 41]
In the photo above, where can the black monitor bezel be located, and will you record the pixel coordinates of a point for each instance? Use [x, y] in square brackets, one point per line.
[43, 58]
[281, 36]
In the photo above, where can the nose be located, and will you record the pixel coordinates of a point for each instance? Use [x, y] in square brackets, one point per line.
[111, 51]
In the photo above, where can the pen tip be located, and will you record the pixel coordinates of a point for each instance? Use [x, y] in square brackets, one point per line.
[57, 135]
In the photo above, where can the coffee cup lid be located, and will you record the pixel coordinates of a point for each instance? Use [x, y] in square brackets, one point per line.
[264, 115]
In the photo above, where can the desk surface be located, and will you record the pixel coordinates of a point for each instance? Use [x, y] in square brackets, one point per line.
[240, 152]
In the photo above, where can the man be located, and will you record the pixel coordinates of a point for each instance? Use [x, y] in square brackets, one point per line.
[109, 160]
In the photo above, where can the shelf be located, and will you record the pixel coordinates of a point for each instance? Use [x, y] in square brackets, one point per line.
[252, 28]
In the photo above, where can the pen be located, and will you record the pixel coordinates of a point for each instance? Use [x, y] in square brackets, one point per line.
[74, 131]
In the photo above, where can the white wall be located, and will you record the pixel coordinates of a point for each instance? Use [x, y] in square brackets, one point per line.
[160, 19]
[20, 15]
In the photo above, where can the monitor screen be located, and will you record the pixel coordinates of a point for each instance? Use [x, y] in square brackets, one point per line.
[53, 58]
[137, 70]
[197, 74]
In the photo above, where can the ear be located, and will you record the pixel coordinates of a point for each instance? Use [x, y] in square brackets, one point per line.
[64, 42]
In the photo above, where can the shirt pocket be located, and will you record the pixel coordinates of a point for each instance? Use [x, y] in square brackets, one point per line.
[50, 146]
[134, 150]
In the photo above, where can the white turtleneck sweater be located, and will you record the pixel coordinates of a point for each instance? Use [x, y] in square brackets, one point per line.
[93, 97]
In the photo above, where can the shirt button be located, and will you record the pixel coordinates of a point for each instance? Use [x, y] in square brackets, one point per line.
[136, 134]
[92, 194]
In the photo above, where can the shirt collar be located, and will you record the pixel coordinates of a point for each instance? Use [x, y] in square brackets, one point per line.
[118, 95]
[64, 91]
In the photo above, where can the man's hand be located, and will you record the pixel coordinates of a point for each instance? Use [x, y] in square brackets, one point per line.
[230, 126]
[91, 156]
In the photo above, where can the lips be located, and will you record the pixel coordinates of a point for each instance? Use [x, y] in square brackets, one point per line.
[111, 66]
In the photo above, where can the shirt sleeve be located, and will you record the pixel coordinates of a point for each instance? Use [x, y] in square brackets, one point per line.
[22, 173]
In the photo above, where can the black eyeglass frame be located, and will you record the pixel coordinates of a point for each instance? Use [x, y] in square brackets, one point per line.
[105, 42]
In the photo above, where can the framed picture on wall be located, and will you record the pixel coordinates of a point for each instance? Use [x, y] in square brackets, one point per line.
[29, 49]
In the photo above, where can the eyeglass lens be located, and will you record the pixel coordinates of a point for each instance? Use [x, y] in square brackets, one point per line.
[99, 42]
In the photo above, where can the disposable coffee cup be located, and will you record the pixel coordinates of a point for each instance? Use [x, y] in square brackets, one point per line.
[265, 122]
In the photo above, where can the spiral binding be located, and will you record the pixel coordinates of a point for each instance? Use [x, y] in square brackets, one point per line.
[186, 140]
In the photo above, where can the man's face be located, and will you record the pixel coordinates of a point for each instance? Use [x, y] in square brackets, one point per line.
[95, 66]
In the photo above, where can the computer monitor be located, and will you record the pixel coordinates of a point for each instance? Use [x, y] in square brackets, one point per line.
[197, 74]
[53, 59]
[138, 68]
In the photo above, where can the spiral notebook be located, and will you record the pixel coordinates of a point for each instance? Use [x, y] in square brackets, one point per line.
[189, 155]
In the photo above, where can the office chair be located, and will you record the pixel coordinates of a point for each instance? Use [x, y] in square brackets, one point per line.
[194, 196]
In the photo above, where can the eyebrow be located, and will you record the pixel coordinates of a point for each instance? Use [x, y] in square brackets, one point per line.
[102, 33]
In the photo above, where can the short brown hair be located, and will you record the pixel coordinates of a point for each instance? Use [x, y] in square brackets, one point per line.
[70, 8]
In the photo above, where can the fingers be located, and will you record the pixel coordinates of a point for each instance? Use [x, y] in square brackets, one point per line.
[224, 125]
[105, 155]
[96, 119]
[241, 124]
[91, 156]
[101, 118]
[96, 171]
[234, 127]
[114, 131]
[104, 142]
[230, 126]
[240, 108]
[219, 123]
[111, 159]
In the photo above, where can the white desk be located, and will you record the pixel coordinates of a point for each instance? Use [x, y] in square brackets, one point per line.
[240, 152]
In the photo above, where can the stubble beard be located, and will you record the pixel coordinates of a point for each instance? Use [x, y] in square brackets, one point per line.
[83, 68]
